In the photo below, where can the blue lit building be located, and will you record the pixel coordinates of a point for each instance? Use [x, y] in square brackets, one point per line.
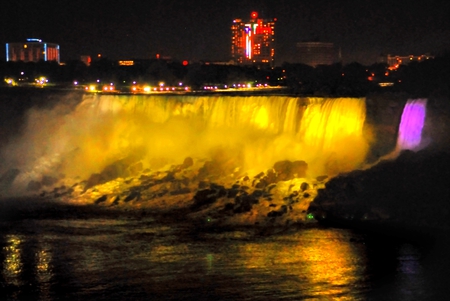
[33, 50]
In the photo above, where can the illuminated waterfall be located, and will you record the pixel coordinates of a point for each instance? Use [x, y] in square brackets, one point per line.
[411, 124]
[333, 132]
[249, 133]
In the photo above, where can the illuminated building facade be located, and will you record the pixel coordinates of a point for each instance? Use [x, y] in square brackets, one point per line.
[316, 53]
[253, 41]
[86, 59]
[33, 50]
[394, 61]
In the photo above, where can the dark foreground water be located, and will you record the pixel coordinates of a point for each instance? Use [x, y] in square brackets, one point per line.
[50, 252]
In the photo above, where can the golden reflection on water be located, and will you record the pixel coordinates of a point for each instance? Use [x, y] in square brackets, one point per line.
[168, 253]
[15, 261]
[43, 259]
[44, 271]
[320, 263]
[12, 266]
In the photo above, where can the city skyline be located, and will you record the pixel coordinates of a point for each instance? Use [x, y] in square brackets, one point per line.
[200, 30]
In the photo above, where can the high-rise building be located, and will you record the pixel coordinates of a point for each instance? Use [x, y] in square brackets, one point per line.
[253, 41]
[33, 50]
[316, 53]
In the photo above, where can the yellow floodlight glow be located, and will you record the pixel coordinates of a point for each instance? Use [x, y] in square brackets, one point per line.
[261, 117]
[41, 80]
[10, 82]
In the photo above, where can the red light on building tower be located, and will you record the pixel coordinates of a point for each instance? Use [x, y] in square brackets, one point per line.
[254, 15]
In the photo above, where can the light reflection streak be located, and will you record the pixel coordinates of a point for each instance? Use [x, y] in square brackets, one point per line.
[15, 262]
[325, 267]
[44, 271]
[169, 254]
[210, 261]
[43, 259]
[13, 265]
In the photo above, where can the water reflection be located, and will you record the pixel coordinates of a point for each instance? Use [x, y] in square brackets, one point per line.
[316, 263]
[102, 260]
[410, 280]
[44, 272]
[332, 266]
[12, 265]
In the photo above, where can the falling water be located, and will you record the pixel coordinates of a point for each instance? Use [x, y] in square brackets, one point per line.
[411, 124]
[166, 152]
[249, 132]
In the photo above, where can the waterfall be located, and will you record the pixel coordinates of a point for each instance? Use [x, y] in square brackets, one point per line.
[251, 133]
[411, 124]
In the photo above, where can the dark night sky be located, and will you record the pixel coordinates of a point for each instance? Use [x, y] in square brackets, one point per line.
[199, 29]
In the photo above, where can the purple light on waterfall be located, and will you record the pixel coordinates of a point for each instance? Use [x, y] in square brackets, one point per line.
[411, 124]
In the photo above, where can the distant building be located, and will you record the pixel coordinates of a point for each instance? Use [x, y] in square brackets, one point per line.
[126, 63]
[86, 59]
[253, 41]
[394, 61]
[33, 50]
[316, 53]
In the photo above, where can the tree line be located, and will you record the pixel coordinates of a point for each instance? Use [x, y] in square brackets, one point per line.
[421, 79]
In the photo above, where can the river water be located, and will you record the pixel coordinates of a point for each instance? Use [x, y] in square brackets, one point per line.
[58, 252]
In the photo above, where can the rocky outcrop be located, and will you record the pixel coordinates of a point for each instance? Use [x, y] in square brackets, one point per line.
[203, 189]
[411, 191]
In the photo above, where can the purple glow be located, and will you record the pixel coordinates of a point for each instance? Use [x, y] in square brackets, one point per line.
[411, 124]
